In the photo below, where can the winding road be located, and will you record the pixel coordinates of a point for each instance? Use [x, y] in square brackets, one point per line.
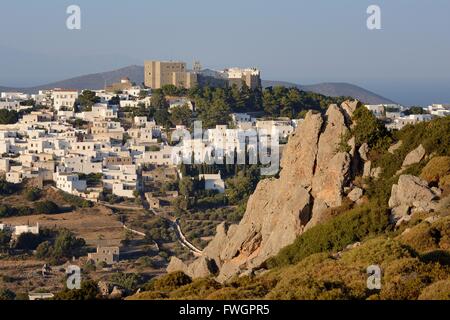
[174, 222]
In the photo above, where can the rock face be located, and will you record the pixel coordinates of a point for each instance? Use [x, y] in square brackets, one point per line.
[313, 177]
[411, 195]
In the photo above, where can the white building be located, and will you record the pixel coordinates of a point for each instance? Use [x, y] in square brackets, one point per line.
[81, 164]
[180, 102]
[11, 105]
[14, 96]
[213, 182]
[69, 182]
[163, 156]
[239, 118]
[18, 230]
[283, 127]
[439, 110]
[399, 123]
[378, 110]
[100, 111]
[122, 180]
[129, 103]
[64, 99]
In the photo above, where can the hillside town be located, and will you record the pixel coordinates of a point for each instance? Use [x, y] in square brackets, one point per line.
[171, 144]
[56, 141]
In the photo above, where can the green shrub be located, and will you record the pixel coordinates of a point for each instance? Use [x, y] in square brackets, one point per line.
[368, 129]
[129, 281]
[7, 188]
[33, 194]
[28, 241]
[75, 201]
[88, 291]
[46, 207]
[44, 250]
[67, 245]
[168, 282]
[6, 294]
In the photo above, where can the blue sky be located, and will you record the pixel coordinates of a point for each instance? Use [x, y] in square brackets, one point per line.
[303, 41]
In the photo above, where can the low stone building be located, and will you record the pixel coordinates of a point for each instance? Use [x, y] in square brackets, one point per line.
[108, 255]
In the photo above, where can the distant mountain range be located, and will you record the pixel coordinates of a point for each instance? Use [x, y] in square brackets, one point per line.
[136, 74]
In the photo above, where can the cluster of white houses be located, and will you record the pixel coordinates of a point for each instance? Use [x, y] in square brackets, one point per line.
[396, 118]
[47, 145]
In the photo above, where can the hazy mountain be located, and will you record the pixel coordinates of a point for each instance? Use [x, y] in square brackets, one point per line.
[335, 89]
[136, 74]
[92, 81]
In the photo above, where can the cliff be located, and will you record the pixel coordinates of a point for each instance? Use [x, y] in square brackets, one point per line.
[313, 178]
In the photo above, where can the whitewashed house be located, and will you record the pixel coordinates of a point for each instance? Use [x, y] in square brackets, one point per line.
[64, 99]
[213, 182]
[69, 182]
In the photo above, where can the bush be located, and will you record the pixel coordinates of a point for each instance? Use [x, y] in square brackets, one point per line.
[88, 291]
[46, 207]
[28, 241]
[129, 281]
[7, 188]
[33, 194]
[44, 250]
[5, 238]
[75, 201]
[425, 237]
[168, 282]
[404, 279]
[8, 116]
[67, 245]
[7, 211]
[369, 129]
[6, 294]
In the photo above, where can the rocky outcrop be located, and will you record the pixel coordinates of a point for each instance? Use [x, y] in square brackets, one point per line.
[414, 156]
[313, 177]
[202, 267]
[368, 171]
[355, 194]
[110, 291]
[410, 195]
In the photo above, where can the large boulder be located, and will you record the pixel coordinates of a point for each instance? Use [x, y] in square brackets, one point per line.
[411, 194]
[355, 194]
[414, 156]
[364, 151]
[200, 268]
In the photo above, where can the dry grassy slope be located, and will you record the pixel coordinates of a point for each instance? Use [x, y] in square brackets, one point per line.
[87, 223]
[415, 265]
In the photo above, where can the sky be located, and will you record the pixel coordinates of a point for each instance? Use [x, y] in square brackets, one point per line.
[301, 41]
